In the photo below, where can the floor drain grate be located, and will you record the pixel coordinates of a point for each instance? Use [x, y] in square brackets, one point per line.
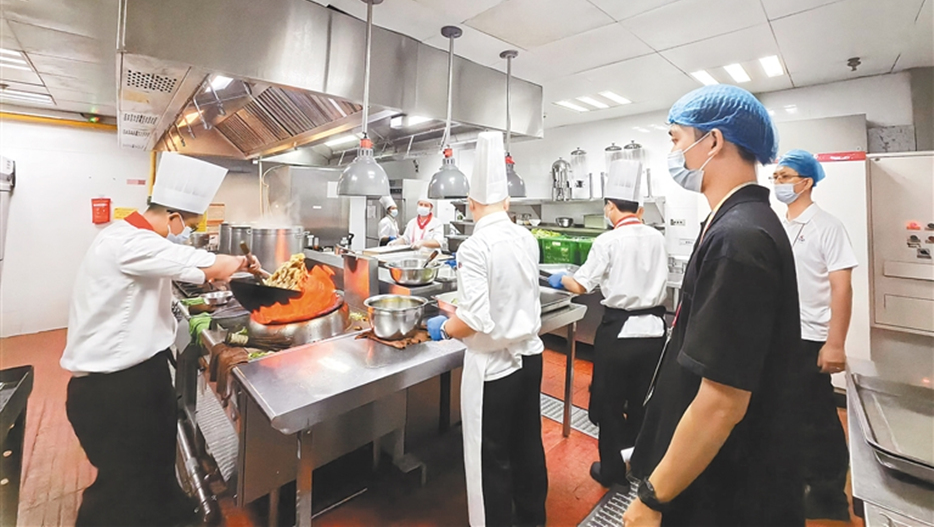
[553, 409]
[609, 511]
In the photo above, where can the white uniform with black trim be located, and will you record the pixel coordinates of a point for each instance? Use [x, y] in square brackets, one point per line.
[498, 297]
[121, 309]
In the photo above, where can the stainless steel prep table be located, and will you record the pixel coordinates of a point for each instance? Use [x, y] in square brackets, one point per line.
[887, 500]
[299, 388]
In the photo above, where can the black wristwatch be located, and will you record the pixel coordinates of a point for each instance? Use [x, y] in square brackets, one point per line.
[647, 496]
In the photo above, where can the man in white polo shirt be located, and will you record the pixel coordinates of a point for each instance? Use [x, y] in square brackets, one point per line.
[824, 261]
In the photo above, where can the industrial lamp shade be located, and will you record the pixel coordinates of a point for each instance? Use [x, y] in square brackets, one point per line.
[449, 182]
[364, 176]
[514, 183]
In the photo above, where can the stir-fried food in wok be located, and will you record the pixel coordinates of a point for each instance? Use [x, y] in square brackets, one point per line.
[290, 274]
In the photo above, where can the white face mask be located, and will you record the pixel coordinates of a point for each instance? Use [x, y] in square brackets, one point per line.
[423, 210]
[689, 179]
[181, 237]
[394, 212]
[785, 192]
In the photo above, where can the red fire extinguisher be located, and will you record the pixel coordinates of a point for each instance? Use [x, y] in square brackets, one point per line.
[100, 210]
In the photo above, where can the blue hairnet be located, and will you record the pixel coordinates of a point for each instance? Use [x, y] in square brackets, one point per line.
[804, 163]
[735, 112]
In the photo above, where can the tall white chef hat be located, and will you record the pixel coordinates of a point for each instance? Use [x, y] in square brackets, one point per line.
[386, 202]
[624, 180]
[488, 179]
[186, 184]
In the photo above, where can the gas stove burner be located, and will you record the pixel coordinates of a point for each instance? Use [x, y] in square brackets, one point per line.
[330, 324]
[193, 290]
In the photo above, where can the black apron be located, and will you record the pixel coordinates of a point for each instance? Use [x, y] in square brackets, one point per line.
[606, 340]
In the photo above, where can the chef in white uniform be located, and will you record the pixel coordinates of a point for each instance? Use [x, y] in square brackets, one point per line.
[423, 231]
[121, 402]
[388, 228]
[630, 265]
[498, 317]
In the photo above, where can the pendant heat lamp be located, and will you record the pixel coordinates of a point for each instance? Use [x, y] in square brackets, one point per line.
[364, 176]
[449, 182]
[515, 183]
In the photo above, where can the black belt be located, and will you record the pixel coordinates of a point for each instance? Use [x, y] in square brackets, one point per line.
[615, 313]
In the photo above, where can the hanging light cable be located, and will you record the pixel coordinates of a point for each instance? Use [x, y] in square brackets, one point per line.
[449, 182]
[364, 176]
[514, 182]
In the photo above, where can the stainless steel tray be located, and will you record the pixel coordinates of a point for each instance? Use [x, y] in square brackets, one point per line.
[552, 300]
[898, 423]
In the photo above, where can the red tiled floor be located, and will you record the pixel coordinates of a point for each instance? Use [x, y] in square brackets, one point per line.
[56, 471]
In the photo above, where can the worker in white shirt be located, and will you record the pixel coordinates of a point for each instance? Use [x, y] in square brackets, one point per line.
[423, 231]
[121, 402]
[498, 317]
[824, 262]
[388, 229]
[630, 266]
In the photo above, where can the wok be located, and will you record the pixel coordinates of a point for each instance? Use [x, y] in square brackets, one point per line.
[252, 294]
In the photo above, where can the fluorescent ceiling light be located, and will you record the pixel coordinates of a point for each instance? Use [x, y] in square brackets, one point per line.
[571, 106]
[737, 72]
[396, 122]
[771, 112]
[342, 140]
[415, 120]
[641, 129]
[338, 107]
[190, 118]
[26, 96]
[660, 127]
[618, 99]
[219, 82]
[593, 102]
[14, 67]
[705, 78]
[12, 60]
[10, 52]
[772, 66]
[791, 108]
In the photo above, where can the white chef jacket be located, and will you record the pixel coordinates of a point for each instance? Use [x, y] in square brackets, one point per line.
[121, 310]
[498, 294]
[630, 265]
[388, 228]
[434, 230]
[821, 246]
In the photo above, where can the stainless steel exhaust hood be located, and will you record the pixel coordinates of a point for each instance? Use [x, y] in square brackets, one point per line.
[247, 79]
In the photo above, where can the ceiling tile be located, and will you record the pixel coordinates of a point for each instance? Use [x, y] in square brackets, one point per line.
[594, 48]
[32, 88]
[69, 68]
[17, 75]
[623, 9]
[78, 96]
[459, 10]
[531, 23]
[7, 40]
[83, 107]
[739, 46]
[474, 45]
[815, 51]
[90, 18]
[70, 83]
[650, 82]
[692, 20]
[919, 51]
[45, 41]
[781, 8]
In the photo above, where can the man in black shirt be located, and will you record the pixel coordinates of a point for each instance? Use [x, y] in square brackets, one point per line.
[719, 442]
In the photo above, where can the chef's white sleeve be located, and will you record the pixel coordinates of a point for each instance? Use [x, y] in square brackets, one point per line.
[150, 255]
[473, 297]
[591, 273]
[436, 233]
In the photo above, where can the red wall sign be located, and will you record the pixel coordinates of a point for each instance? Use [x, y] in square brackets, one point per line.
[841, 156]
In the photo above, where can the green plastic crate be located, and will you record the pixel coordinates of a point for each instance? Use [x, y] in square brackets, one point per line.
[559, 250]
[583, 249]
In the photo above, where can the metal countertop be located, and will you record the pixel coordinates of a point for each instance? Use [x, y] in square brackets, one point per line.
[300, 387]
[872, 482]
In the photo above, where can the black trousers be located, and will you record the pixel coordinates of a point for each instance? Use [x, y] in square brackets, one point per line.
[826, 457]
[126, 423]
[623, 370]
[515, 479]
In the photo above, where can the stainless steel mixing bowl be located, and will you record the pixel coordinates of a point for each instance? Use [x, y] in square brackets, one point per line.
[395, 317]
[411, 271]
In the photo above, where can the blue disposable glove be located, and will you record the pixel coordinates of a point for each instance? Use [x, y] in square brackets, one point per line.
[555, 280]
[434, 327]
[452, 262]
[392, 238]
